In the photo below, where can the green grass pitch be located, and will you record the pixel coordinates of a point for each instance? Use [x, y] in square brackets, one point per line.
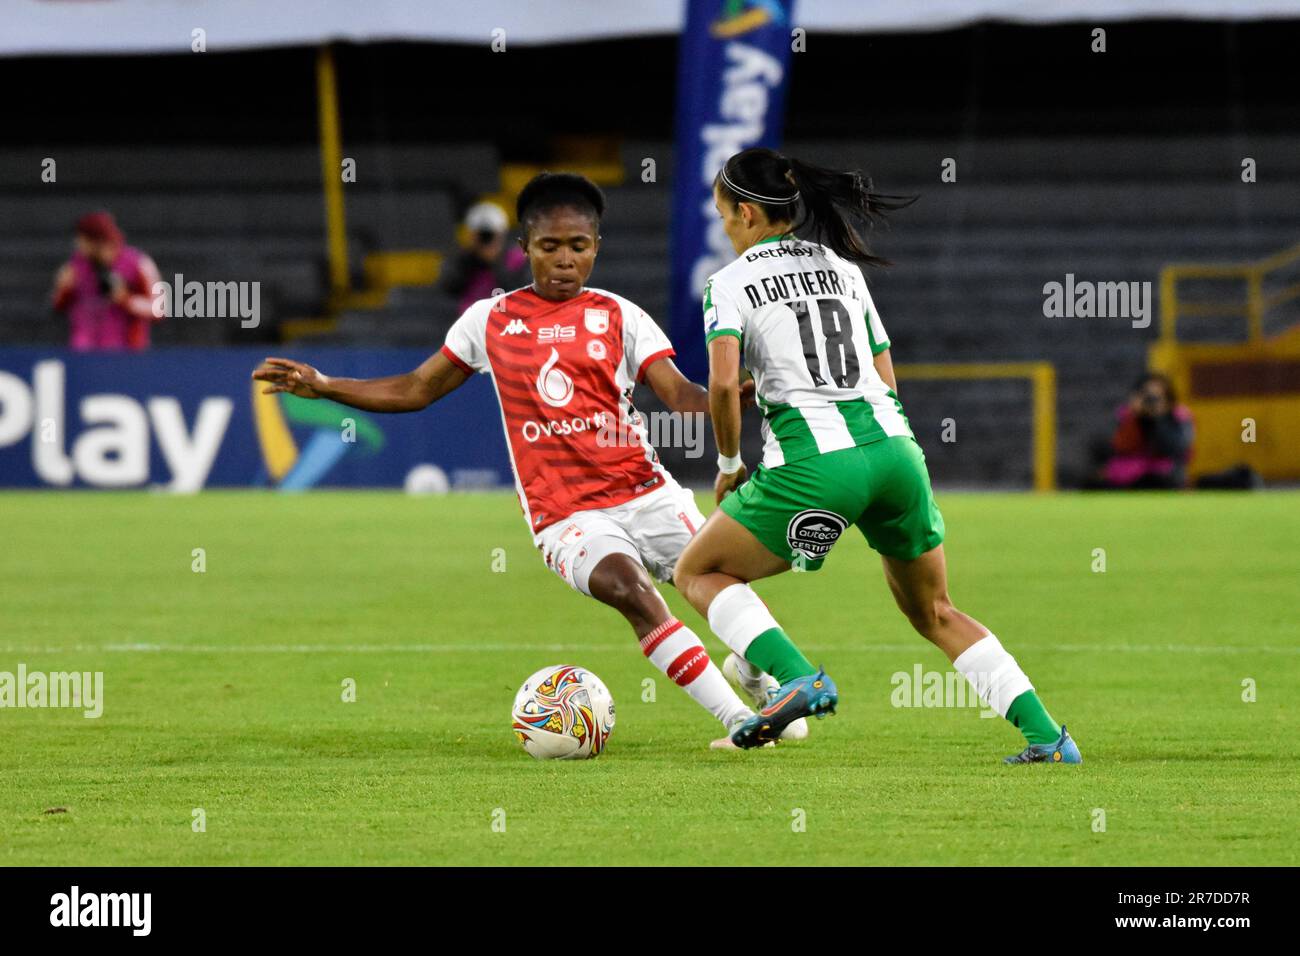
[223, 691]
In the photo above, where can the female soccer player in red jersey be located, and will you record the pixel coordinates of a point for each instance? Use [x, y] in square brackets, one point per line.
[564, 359]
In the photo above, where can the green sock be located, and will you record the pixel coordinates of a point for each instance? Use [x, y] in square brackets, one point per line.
[776, 654]
[1028, 715]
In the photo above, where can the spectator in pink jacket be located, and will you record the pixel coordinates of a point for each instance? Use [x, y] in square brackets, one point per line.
[106, 289]
[1152, 443]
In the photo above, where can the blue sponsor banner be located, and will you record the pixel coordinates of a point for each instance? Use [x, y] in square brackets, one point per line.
[186, 419]
[733, 68]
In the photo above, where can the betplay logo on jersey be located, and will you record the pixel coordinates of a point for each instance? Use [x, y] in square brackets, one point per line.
[596, 320]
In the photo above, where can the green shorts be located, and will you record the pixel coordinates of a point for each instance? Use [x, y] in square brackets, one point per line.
[799, 510]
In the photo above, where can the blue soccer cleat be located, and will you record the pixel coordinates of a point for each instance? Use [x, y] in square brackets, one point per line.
[1065, 750]
[814, 696]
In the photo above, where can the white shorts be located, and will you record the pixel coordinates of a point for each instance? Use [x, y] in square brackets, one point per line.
[652, 529]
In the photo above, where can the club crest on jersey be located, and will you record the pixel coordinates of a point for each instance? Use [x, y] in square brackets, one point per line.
[553, 385]
[812, 532]
[516, 327]
[596, 320]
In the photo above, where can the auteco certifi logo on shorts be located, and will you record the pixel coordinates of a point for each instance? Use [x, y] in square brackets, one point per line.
[813, 532]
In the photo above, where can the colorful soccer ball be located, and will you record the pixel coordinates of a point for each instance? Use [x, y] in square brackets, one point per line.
[563, 713]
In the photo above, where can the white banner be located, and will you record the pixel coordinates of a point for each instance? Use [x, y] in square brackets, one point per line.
[173, 26]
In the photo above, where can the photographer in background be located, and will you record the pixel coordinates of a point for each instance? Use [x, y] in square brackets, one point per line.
[487, 264]
[1152, 443]
[106, 289]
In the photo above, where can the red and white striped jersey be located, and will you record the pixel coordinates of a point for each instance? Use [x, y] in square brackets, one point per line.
[564, 374]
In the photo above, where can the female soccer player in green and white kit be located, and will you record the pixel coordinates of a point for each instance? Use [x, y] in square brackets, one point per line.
[837, 449]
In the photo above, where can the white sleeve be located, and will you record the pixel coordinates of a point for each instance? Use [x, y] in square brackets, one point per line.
[643, 341]
[721, 317]
[466, 344]
[875, 328]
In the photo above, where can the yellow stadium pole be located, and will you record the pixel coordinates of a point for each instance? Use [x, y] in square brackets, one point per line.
[1044, 378]
[331, 157]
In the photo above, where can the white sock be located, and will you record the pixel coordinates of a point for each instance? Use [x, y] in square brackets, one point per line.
[993, 673]
[677, 652]
[738, 615]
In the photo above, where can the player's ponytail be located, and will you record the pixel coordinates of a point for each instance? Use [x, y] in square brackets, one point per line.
[833, 206]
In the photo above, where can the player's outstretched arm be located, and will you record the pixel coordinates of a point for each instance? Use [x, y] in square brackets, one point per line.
[674, 389]
[410, 392]
[680, 394]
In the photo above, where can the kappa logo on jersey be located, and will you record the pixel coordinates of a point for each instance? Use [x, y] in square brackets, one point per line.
[813, 532]
[553, 385]
[516, 327]
[557, 333]
[596, 320]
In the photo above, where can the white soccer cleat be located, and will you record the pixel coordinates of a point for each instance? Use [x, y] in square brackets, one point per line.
[760, 690]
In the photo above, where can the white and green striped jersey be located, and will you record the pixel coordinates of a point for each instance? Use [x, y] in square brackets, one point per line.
[808, 331]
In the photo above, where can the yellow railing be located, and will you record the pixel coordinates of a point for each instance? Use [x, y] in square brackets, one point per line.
[331, 157]
[1254, 306]
[1041, 376]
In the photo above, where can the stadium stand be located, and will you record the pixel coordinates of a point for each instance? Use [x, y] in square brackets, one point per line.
[247, 213]
[1096, 186]
[967, 284]
[970, 265]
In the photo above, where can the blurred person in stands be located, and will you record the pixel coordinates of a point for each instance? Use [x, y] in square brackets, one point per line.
[106, 289]
[487, 267]
[1152, 443]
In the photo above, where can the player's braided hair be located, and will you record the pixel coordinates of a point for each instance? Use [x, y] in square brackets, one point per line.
[548, 191]
[833, 206]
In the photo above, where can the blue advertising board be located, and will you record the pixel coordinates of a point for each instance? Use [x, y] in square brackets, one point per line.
[186, 419]
[733, 70]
